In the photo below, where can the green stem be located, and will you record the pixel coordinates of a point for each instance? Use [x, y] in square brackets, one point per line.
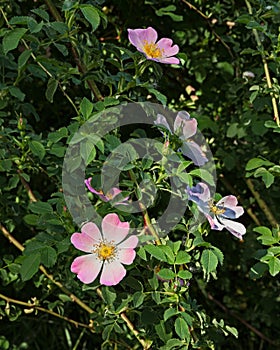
[266, 70]
[39, 308]
[82, 68]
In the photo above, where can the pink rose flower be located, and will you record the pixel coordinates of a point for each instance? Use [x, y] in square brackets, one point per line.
[220, 215]
[145, 41]
[107, 251]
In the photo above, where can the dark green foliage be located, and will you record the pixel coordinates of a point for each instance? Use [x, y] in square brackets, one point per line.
[62, 62]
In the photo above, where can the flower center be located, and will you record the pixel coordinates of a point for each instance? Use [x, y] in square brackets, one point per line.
[216, 210]
[105, 251]
[152, 50]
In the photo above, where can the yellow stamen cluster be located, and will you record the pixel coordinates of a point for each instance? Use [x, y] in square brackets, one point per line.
[216, 211]
[105, 251]
[152, 50]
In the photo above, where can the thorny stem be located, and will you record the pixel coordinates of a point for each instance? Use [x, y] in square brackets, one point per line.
[147, 222]
[39, 308]
[207, 18]
[27, 188]
[266, 70]
[40, 64]
[262, 204]
[75, 54]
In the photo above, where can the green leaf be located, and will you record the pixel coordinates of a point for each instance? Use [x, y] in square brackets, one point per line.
[40, 207]
[274, 266]
[184, 274]
[155, 251]
[16, 92]
[88, 151]
[107, 331]
[169, 313]
[168, 252]
[226, 67]
[209, 261]
[142, 253]
[23, 58]
[182, 328]
[138, 299]
[51, 89]
[182, 258]
[265, 231]
[161, 332]
[258, 270]
[41, 13]
[30, 266]
[108, 296]
[219, 254]
[91, 15]
[58, 135]
[166, 274]
[256, 163]
[37, 149]
[48, 256]
[31, 219]
[159, 96]
[172, 344]
[12, 38]
[266, 176]
[203, 175]
[86, 108]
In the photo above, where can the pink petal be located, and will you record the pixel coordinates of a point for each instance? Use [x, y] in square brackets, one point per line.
[85, 240]
[169, 60]
[82, 242]
[112, 273]
[140, 37]
[161, 120]
[235, 228]
[113, 229]
[92, 230]
[231, 203]
[126, 256]
[193, 151]
[87, 267]
[201, 191]
[214, 223]
[98, 193]
[187, 127]
[131, 242]
[166, 45]
[114, 192]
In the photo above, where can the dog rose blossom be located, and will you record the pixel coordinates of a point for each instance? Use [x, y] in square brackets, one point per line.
[107, 251]
[185, 127]
[221, 214]
[145, 41]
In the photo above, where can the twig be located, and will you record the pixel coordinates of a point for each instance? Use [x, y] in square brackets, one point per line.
[248, 325]
[39, 63]
[145, 343]
[262, 204]
[93, 87]
[207, 18]
[266, 70]
[19, 246]
[39, 308]
[27, 187]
